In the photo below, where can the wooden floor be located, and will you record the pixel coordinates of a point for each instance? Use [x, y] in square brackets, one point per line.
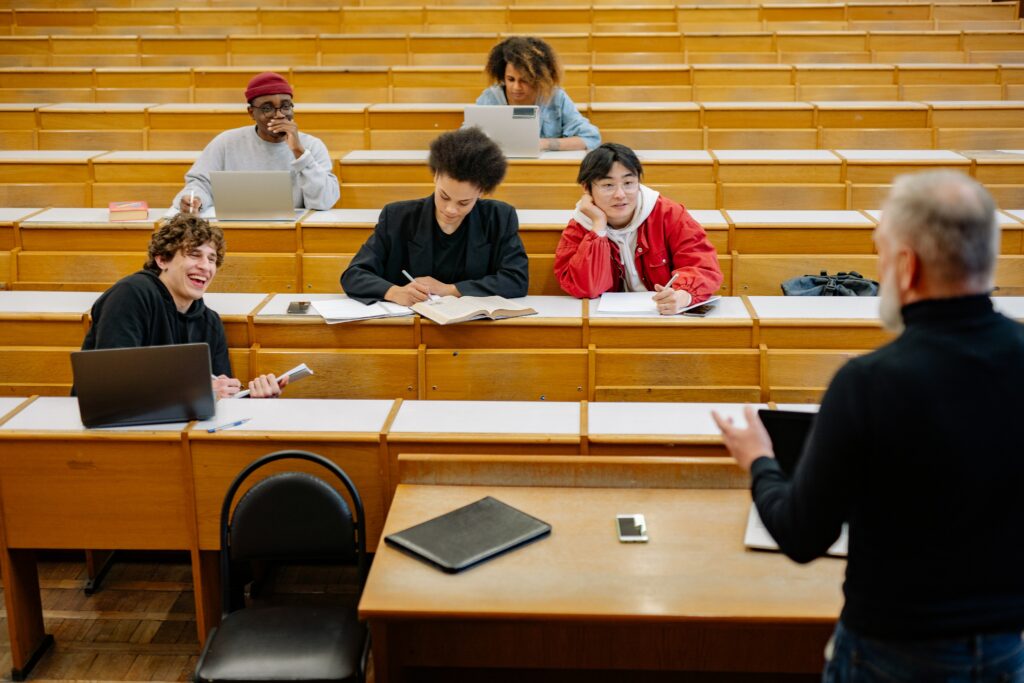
[139, 627]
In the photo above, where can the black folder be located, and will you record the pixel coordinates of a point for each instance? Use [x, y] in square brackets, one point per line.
[469, 535]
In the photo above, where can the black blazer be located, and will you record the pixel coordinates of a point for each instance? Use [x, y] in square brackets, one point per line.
[403, 239]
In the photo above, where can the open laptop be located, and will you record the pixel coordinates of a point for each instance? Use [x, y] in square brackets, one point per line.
[788, 430]
[515, 128]
[253, 195]
[145, 385]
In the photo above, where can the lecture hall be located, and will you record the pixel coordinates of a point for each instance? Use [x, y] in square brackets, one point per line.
[690, 332]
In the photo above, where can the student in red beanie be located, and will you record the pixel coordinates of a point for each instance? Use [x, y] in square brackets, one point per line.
[273, 144]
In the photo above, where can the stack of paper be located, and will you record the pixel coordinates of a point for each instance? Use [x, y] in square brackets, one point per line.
[636, 302]
[345, 310]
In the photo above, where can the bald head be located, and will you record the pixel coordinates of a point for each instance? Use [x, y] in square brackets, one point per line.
[949, 221]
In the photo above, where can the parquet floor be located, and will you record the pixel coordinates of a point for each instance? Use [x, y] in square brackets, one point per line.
[140, 626]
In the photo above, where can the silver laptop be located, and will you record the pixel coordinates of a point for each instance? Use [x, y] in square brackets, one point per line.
[515, 128]
[252, 195]
[144, 385]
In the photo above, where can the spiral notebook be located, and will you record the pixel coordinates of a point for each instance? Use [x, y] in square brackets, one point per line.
[469, 535]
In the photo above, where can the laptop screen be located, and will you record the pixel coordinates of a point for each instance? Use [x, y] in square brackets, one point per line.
[145, 385]
[788, 430]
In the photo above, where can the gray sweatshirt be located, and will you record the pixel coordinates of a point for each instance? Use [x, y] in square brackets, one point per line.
[314, 185]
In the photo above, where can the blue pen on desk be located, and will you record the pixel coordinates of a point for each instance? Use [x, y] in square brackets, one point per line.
[433, 297]
[229, 425]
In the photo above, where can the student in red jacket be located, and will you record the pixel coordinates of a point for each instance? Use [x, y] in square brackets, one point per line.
[624, 236]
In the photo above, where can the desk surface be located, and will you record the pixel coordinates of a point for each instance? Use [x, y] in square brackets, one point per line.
[10, 215]
[694, 567]
[776, 156]
[299, 415]
[786, 218]
[9, 403]
[149, 156]
[233, 303]
[815, 307]
[904, 155]
[487, 417]
[660, 419]
[570, 157]
[728, 307]
[1007, 218]
[46, 302]
[60, 414]
[90, 217]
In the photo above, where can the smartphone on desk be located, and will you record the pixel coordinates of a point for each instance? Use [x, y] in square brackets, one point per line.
[701, 310]
[298, 307]
[632, 528]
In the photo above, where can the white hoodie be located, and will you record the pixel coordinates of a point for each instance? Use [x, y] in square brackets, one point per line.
[625, 237]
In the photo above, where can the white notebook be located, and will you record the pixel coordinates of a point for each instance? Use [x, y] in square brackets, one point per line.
[346, 310]
[757, 536]
[635, 302]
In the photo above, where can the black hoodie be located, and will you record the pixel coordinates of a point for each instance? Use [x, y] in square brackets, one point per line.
[139, 311]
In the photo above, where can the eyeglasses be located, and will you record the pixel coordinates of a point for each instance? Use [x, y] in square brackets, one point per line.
[269, 109]
[609, 187]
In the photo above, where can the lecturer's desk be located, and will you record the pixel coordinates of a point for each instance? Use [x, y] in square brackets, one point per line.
[579, 601]
[661, 429]
[64, 487]
[510, 427]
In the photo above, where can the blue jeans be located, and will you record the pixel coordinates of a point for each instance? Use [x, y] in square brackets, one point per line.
[995, 657]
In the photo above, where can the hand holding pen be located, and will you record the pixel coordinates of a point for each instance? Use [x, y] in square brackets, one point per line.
[410, 294]
[670, 301]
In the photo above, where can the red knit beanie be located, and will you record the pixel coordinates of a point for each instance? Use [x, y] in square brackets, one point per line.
[267, 83]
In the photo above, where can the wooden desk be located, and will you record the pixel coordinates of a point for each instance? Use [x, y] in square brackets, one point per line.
[896, 125]
[542, 427]
[18, 130]
[780, 179]
[118, 500]
[675, 358]
[650, 125]
[155, 176]
[661, 429]
[692, 599]
[756, 125]
[811, 322]
[870, 172]
[375, 359]
[234, 309]
[1002, 172]
[800, 232]
[46, 178]
[85, 230]
[92, 125]
[8, 240]
[370, 178]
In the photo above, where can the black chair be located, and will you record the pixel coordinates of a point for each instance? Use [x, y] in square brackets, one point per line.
[290, 517]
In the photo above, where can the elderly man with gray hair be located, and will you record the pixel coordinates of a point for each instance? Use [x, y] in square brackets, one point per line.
[916, 447]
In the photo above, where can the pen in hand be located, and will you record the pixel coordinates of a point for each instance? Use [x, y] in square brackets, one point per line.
[191, 201]
[433, 297]
[236, 423]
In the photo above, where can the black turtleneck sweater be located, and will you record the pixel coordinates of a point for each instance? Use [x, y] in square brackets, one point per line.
[139, 311]
[918, 446]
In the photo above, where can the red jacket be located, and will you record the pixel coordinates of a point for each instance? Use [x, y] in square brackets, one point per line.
[669, 241]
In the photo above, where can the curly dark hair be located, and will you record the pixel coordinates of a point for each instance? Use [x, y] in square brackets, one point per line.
[598, 163]
[531, 57]
[183, 233]
[469, 156]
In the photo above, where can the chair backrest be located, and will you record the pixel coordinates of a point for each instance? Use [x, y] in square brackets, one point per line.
[291, 516]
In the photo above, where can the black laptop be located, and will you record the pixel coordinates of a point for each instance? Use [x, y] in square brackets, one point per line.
[469, 535]
[144, 385]
[788, 430]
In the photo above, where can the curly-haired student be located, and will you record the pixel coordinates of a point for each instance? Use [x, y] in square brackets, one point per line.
[453, 242]
[526, 71]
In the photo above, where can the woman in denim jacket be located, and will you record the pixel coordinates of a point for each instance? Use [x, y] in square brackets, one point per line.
[526, 71]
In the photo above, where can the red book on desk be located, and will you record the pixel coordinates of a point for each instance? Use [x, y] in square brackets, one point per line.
[128, 211]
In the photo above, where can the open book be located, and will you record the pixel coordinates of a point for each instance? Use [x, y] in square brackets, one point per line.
[345, 310]
[453, 309]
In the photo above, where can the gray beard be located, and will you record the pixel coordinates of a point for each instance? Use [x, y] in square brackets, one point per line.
[889, 309]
